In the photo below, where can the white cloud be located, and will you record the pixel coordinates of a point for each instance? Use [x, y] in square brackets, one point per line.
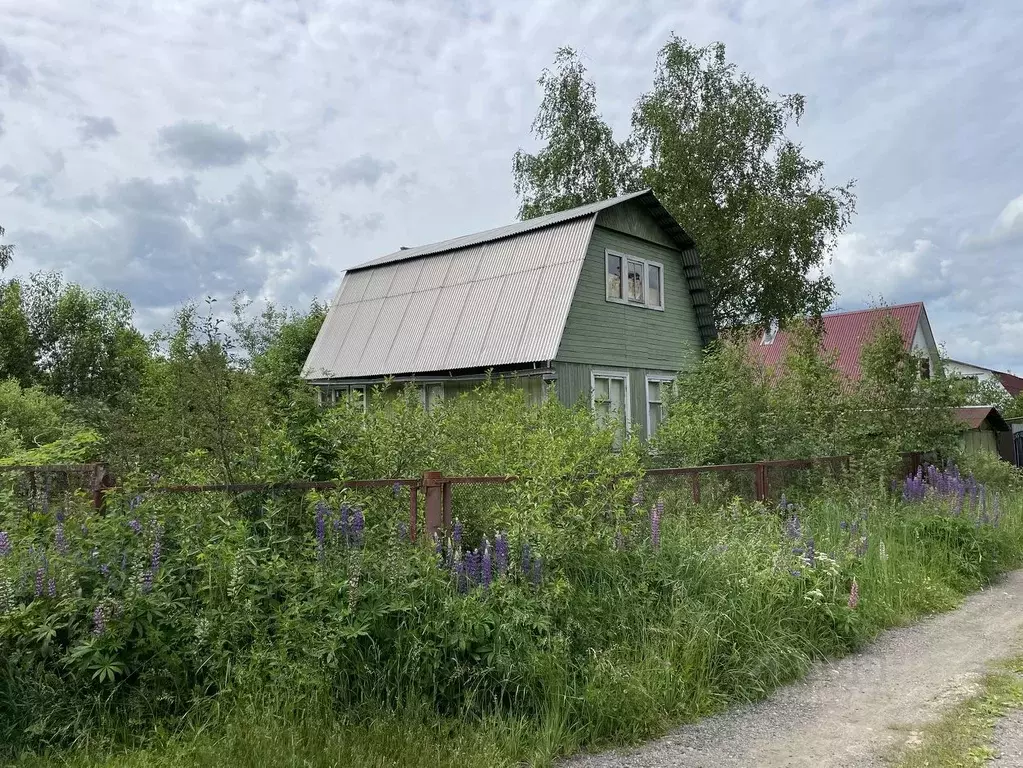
[432, 99]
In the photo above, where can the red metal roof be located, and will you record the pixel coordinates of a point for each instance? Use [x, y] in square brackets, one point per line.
[845, 333]
[975, 415]
[1013, 384]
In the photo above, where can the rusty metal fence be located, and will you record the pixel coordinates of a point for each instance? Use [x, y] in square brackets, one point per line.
[435, 500]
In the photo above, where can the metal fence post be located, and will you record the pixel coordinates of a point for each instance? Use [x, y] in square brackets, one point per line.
[760, 481]
[434, 487]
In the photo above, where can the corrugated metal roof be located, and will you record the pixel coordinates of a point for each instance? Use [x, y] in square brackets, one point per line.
[499, 302]
[845, 334]
[509, 230]
[975, 416]
[499, 297]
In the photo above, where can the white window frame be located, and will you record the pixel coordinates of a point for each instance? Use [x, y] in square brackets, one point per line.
[647, 263]
[422, 392]
[607, 374]
[660, 379]
[335, 392]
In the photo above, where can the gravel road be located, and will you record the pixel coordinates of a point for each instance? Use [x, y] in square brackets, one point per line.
[852, 711]
[1008, 740]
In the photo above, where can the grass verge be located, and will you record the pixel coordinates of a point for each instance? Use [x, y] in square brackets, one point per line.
[963, 736]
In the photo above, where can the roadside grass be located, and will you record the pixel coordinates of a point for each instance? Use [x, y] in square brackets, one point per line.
[736, 613]
[962, 737]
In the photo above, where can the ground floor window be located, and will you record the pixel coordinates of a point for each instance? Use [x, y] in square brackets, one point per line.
[353, 393]
[610, 401]
[430, 395]
[657, 388]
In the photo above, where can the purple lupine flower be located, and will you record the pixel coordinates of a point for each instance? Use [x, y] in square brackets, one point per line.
[854, 595]
[486, 566]
[401, 531]
[473, 566]
[537, 573]
[783, 503]
[811, 554]
[99, 621]
[456, 533]
[154, 555]
[51, 587]
[135, 525]
[501, 553]
[105, 570]
[40, 576]
[795, 573]
[358, 526]
[438, 545]
[793, 528]
[396, 489]
[147, 581]
[526, 557]
[60, 515]
[135, 502]
[345, 521]
[60, 540]
[843, 525]
[322, 510]
[5, 544]
[655, 527]
[461, 583]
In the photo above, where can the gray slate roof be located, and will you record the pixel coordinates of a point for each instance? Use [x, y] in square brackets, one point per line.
[499, 297]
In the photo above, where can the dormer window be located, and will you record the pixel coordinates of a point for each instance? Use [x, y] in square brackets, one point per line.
[770, 334]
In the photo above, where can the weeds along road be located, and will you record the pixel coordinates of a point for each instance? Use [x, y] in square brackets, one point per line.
[856, 710]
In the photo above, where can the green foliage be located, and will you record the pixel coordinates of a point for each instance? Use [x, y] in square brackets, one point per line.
[74, 448]
[712, 145]
[732, 410]
[6, 253]
[34, 416]
[16, 345]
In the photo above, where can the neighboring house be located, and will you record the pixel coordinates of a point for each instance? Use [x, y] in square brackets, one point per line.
[985, 431]
[847, 333]
[606, 300]
[1016, 425]
[1010, 384]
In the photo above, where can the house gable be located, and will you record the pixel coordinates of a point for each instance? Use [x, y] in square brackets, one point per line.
[607, 333]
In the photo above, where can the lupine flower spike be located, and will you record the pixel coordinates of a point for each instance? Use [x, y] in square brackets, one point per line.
[854, 595]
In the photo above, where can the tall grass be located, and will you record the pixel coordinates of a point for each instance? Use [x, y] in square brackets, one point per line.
[617, 642]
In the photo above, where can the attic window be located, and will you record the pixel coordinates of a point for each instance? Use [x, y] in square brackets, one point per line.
[632, 280]
[770, 334]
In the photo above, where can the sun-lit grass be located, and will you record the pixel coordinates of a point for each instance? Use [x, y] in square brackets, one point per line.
[724, 612]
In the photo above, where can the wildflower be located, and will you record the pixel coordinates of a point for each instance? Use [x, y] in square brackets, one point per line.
[345, 520]
[537, 573]
[154, 478]
[438, 548]
[5, 544]
[460, 580]
[51, 587]
[796, 573]
[402, 531]
[501, 553]
[862, 547]
[473, 566]
[105, 570]
[358, 526]
[99, 621]
[637, 499]
[655, 527]
[154, 555]
[396, 489]
[793, 528]
[147, 581]
[135, 525]
[322, 511]
[487, 565]
[353, 584]
[135, 502]
[619, 539]
[40, 576]
[882, 551]
[843, 525]
[456, 533]
[526, 557]
[811, 554]
[854, 595]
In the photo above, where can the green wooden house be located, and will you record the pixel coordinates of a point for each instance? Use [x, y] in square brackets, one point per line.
[605, 301]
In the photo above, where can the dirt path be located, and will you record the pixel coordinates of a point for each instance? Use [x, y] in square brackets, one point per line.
[1008, 740]
[851, 712]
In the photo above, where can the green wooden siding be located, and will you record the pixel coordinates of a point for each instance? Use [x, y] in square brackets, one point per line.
[603, 333]
[574, 381]
[632, 218]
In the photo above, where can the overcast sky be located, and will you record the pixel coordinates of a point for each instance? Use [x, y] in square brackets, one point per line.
[174, 150]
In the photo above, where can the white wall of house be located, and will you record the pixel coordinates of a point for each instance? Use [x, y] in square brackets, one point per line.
[923, 342]
[968, 371]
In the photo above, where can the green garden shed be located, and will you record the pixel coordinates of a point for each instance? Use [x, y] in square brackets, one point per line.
[606, 302]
